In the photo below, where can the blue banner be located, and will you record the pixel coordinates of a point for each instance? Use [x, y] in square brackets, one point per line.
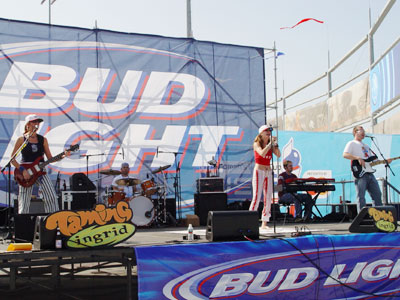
[312, 267]
[384, 79]
[148, 100]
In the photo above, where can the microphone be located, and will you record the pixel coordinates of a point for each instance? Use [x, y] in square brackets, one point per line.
[157, 152]
[369, 136]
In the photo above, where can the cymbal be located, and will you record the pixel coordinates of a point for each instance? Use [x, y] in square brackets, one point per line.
[110, 172]
[128, 181]
[162, 168]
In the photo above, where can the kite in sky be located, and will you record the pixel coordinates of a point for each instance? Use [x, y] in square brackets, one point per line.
[302, 21]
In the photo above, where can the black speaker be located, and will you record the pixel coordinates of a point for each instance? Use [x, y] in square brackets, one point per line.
[83, 201]
[171, 206]
[43, 238]
[24, 227]
[205, 202]
[232, 225]
[80, 182]
[375, 219]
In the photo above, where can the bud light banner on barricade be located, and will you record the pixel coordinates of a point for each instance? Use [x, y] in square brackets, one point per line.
[384, 84]
[313, 267]
[167, 106]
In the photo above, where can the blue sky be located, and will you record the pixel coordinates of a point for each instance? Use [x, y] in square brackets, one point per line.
[243, 22]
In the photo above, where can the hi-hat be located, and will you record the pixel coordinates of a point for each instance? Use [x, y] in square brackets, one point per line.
[110, 172]
[128, 181]
[162, 168]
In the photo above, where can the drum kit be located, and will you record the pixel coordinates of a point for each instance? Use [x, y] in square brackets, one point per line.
[149, 205]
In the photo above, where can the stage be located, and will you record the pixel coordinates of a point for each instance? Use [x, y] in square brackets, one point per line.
[112, 273]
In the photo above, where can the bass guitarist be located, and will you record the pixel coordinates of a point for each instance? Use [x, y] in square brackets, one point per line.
[36, 147]
[359, 153]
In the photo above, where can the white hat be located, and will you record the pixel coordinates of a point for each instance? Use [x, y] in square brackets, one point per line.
[263, 128]
[32, 117]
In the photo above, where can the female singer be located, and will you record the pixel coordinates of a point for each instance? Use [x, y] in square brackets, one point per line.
[264, 145]
[36, 147]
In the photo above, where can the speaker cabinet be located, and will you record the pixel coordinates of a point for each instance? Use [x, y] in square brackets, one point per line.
[80, 182]
[232, 225]
[205, 202]
[375, 219]
[83, 201]
[24, 227]
[43, 239]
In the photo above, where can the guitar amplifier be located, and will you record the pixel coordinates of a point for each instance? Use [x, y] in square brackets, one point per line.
[210, 185]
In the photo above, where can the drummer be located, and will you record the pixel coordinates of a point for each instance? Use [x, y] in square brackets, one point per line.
[128, 190]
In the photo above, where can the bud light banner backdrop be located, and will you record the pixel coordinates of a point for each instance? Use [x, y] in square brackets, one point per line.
[315, 267]
[158, 103]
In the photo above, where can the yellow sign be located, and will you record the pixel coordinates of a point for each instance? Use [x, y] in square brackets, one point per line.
[106, 235]
[100, 227]
[384, 220]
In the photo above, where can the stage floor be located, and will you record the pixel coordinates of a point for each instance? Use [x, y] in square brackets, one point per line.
[94, 280]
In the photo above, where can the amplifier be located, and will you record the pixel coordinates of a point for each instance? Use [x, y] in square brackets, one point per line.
[210, 185]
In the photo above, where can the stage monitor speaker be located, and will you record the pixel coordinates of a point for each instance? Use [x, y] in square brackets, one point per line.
[232, 225]
[83, 201]
[375, 219]
[24, 227]
[80, 182]
[43, 239]
[205, 202]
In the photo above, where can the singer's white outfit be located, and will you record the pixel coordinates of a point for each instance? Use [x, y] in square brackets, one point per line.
[29, 155]
[262, 183]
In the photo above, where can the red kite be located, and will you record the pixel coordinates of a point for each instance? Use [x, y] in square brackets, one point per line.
[302, 21]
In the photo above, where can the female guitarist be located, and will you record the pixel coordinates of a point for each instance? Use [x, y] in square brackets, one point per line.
[36, 147]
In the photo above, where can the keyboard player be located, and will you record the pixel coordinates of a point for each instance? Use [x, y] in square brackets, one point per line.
[294, 198]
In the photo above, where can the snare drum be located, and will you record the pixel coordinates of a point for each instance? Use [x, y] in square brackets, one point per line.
[115, 196]
[148, 187]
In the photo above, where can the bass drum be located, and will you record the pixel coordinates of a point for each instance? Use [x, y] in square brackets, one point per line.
[143, 211]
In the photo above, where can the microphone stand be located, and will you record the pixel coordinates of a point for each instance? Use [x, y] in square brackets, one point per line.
[87, 175]
[273, 189]
[387, 166]
[8, 165]
[177, 183]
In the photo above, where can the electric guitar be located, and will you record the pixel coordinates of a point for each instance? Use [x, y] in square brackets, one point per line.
[36, 169]
[359, 171]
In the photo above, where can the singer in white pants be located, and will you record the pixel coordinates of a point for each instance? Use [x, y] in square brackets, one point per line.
[264, 146]
[262, 183]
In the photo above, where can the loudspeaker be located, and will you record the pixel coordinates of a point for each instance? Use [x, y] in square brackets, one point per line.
[375, 219]
[203, 203]
[232, 225]
[171, 206]
[83, 201]
[210, 184]
[24, 227]
[43, 238]
[80, 182]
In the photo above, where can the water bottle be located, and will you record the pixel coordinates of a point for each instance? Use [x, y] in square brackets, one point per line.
[190, 233]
